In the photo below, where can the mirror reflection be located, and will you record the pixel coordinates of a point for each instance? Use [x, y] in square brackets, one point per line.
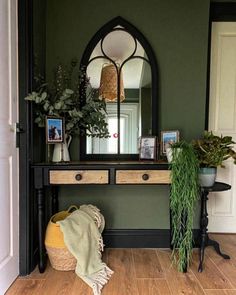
[120, 74]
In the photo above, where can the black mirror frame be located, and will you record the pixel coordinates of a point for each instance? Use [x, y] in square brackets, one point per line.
[101, 33]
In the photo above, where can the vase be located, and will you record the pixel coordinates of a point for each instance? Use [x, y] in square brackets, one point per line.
[61, 151]
[169, 153]
[207, 176]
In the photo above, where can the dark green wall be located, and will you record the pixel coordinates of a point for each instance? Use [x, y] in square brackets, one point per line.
[178, 33]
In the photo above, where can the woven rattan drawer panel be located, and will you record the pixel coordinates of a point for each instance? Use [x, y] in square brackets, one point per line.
[142, 176]
[79, 177]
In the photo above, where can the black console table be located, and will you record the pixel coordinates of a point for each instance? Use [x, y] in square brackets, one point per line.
[109, 173]
[89, 173]
[205, 240]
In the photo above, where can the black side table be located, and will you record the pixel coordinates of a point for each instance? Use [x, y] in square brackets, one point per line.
[204, 239]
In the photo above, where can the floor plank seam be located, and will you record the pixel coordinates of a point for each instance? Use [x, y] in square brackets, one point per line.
[134, 269]
[31, 279]
[222, 273]
[152, 279]
[171, 262]
[132, 258]
[168, 285]
[164, 275]
[220, 289]
[197, 280]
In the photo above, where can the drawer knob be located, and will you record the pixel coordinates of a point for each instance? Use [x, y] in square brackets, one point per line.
[78, 176]
[145, 176]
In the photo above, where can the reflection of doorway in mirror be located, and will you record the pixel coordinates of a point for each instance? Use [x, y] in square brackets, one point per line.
[129, 131]
[111, 143]
[113, 131]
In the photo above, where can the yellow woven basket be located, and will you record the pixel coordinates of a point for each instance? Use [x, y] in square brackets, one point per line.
[59, 256]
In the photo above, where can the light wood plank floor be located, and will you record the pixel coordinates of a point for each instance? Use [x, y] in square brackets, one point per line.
[143, 272]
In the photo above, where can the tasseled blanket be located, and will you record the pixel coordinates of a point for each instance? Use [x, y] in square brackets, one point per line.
[82, 236]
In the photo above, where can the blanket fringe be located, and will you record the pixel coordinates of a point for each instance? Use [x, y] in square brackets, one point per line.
[98, 280]
[101, 245]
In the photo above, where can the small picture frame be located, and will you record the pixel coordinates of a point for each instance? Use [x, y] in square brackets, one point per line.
[147, 148]
[55, 130]
[168, 138]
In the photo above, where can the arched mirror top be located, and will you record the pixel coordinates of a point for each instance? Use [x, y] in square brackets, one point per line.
[120, 48]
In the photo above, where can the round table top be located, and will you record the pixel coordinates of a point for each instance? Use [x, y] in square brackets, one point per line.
[218, 187]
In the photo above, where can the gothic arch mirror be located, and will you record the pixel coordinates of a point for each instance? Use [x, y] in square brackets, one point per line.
[122, 71]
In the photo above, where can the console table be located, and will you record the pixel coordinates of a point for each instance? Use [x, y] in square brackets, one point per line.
[88, 173]
[205, 240]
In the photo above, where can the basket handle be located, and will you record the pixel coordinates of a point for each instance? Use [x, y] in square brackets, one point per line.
[72, 208]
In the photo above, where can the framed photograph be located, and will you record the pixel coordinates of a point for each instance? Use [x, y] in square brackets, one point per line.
[168, 138]
[55, 130]
[147, 149]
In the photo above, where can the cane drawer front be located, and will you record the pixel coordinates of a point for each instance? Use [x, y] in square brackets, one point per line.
[142, 176]
[78, 176]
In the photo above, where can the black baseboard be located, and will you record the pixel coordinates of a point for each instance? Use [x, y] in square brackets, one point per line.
[141, 238]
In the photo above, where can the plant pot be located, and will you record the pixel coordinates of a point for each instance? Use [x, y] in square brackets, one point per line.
[207, 176]
[169, 153]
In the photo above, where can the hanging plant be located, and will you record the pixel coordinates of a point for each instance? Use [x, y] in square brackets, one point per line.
[183, 196]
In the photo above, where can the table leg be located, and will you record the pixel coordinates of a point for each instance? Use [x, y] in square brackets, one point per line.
[203, 225]
[202, 250]
[54, 199]
[41, 229]
[205, 241]
[217, 248]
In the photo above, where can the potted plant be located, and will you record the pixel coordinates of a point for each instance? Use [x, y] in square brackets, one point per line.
[61, 98]
[183, 195]
[212, 151]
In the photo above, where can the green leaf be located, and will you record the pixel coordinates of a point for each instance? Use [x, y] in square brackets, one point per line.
[38, 99]
[68, 91]
[43, 96]
[46, 106]
[69, 126]
[58, 105]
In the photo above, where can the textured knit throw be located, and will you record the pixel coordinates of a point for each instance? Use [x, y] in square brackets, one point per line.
[82, 236]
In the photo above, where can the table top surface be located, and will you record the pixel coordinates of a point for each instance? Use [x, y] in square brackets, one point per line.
[218, 187]
[160, 164]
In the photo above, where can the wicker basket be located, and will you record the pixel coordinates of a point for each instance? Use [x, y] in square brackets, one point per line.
[59, 256]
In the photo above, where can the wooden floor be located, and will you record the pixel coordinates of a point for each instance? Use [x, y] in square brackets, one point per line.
[143, 272]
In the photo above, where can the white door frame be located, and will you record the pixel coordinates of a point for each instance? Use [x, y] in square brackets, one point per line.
[9, 156]
[222, 120]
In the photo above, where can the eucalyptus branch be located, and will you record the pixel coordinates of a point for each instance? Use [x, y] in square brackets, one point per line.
[62, 98]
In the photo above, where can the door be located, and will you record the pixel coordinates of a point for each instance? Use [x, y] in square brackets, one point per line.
[222, 120]
[129, 132]
[9, 215]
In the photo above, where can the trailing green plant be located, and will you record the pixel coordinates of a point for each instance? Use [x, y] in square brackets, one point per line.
[61, 98]
[213, 150]
[183, 196]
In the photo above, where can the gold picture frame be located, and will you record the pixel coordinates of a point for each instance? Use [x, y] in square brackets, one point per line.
[167, 138]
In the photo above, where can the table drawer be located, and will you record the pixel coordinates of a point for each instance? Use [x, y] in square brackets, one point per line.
[79, 177]
[142, 176]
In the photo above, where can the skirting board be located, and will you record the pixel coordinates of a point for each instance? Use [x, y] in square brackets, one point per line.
[141, 238]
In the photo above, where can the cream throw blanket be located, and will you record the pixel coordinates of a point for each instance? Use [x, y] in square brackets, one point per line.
[82, 236]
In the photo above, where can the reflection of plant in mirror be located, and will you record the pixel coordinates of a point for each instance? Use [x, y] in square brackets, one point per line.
[62, 99]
